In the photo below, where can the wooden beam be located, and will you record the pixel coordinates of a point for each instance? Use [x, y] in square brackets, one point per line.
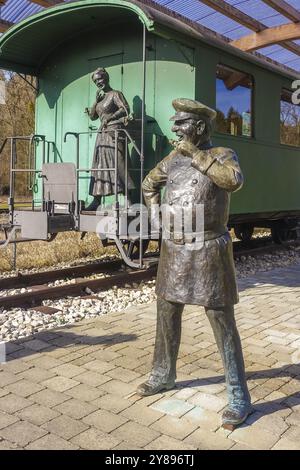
[235, 14]
[276, 35]
[47, 3]
[284, 9]
[234, 80]
[4, 25]
[249, 22]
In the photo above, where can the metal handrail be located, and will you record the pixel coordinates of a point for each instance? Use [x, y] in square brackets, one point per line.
[116, 132]
[13, 158]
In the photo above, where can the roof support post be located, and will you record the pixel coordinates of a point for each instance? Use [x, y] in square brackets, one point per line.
[143, 140]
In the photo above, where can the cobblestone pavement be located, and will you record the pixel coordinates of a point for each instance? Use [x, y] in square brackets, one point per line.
[73, 387]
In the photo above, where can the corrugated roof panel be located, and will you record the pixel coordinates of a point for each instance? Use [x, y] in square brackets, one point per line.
[17, 10]
[192, 9]
[295, 64]
[259, 10]
[270, 50]
[282, 55]
[224, 24]
[294, 3]
[237, 33]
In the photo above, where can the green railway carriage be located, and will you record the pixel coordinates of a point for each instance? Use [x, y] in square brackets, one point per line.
[152, 56]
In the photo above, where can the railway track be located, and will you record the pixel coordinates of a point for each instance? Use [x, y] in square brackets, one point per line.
[37, 289]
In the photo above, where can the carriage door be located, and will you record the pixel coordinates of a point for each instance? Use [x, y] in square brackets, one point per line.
[114, 65]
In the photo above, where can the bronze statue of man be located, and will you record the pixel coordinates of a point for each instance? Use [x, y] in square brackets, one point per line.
[197, 173]
[113, 110]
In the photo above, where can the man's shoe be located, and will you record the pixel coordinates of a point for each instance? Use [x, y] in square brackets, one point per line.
[150, 387]
[233, 417]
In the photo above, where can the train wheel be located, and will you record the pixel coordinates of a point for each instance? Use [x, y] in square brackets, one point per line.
[244, 232]
[281, 233]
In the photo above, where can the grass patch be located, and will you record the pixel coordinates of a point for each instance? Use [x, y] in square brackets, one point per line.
[66, 248]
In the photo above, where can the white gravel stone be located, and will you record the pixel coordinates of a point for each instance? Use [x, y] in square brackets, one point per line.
[18, 323]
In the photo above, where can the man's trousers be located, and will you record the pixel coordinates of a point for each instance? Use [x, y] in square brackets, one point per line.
[167, 342]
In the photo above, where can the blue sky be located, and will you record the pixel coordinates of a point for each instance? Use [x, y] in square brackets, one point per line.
[239, 98]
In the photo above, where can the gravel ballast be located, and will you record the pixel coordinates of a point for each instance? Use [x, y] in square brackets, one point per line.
[19, 323]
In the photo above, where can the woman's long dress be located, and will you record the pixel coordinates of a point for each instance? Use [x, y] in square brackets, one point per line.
[103, 182]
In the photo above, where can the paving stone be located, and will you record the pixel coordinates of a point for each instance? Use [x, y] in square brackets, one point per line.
[36, 345]
[51, 442]
[207, 401]
[130, 363]
[204, 418]
[126, 445]
[267, 422]
[131, 431]
[4, 392]
[125, 375]
[104, 420]
[6, 445]
[179, 428]
[75, 409]
[112, 403]
[141, 414]
[293, 418]
[205, 440]
[93, 439]
[60, 383]
[46, 362]
[292, 434]
[68, 370]
[99, 366]
[242, 447]
[105, 355]
[24, 388]
[85, 392]
[7, 378]
[257, 440]
[49, 398]
[36, 374]
[172, 407]
[7, 420]
[22, 433]
[119, 388]
[65, 427]
[93, 378]
[15, 366]
[12, 403]
[37, 414]
[286, 444]
[185, 393]
[169, 443]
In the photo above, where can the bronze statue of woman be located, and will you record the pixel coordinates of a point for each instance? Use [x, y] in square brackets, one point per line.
[113, 110]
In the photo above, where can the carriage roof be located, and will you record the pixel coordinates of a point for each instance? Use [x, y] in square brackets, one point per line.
[26, 45]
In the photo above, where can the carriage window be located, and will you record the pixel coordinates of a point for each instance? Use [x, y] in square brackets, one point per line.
[234, 102]
[289, 120]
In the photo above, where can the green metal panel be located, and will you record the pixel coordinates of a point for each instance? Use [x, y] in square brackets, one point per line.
[66, 89]
[177, 66]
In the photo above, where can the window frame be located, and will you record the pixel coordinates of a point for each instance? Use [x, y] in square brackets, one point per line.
[252, 102]
[290, 92]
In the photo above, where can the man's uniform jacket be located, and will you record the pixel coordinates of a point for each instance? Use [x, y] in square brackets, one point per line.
[206, 275]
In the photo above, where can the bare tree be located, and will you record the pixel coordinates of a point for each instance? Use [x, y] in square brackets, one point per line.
[17, 117]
